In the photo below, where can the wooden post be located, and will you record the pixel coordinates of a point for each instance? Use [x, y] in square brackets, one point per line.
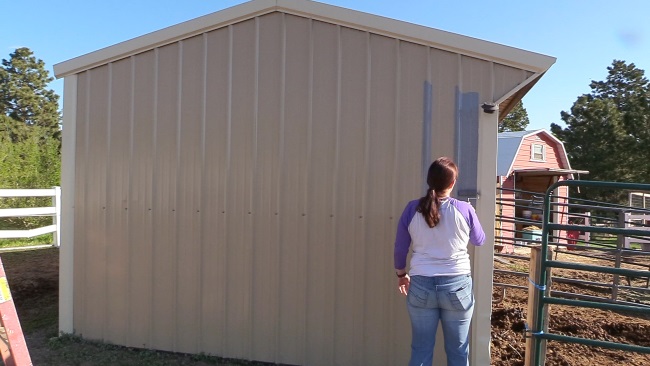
[535, 275]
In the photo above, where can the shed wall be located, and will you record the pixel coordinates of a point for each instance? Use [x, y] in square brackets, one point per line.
[237, 192]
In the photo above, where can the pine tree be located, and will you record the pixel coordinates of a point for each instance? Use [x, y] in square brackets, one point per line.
[516, 120]
[24, 96]
[608, 130]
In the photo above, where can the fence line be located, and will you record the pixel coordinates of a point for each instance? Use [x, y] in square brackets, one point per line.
[54, 211]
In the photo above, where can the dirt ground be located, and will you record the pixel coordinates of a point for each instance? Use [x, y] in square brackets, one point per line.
[34, 282]
[509, 314]
[33, 278]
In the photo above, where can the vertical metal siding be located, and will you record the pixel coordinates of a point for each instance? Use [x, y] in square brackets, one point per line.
[349, 197]
[507, 78]
[80, 227]
[190, 164]
[294, 192]
[381, 213]
[266, 198]
[214, 261]
[165, 176]
[238, 191]
[477, 77]
[239, 202]
[321, 225]
[95, 238]
[117, 224]
[140, 203]
[412, 70]
[445, 74]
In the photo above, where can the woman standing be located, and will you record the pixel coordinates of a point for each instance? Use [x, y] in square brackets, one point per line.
[438, 285]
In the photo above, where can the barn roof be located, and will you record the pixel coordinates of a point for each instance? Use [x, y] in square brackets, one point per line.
[526, 60]
[509, 144]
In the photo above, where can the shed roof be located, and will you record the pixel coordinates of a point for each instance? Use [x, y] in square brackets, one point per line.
[509, 144]
[526, 60]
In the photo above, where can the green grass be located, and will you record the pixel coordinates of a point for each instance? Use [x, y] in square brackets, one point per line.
[25, 242]
[73, 350]
[518, 268]
[46, 318]
[609, 241]
[66, 349]
[635, 246]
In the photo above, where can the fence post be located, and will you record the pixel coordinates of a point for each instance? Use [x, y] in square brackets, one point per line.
[56, 201]
[626, 224]
[535, 276]
[587, 237]
[620, 244]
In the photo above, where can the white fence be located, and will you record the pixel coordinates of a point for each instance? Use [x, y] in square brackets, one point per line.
[54, 211]
[643, 220]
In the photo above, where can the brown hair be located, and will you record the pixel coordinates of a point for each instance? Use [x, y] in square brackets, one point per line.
[442, 174]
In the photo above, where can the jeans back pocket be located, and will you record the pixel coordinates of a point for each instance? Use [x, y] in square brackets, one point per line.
[417, 295]
[462, 298]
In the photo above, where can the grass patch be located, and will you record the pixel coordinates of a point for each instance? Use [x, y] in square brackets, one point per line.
[26, 242]
[635, 246]
[46, 318]
[518, 268]
[73, 350]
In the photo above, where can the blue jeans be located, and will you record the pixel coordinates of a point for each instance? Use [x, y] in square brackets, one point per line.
[448, 299]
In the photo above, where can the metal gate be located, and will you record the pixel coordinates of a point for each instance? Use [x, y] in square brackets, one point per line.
[616, 223]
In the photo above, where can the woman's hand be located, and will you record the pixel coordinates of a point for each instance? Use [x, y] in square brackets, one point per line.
[403, 284]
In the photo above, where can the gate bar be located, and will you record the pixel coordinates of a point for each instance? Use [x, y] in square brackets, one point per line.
[593, 342]
[546, 228]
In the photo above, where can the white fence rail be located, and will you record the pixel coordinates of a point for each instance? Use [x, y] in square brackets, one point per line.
[644, 220]
[54, 211]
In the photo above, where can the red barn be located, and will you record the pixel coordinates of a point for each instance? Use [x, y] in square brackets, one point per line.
[528, 163]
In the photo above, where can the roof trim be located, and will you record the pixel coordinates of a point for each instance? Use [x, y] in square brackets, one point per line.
[548, 171]
[435, 38]
[510, 99]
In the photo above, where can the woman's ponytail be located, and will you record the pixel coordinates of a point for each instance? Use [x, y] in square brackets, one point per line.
[429, 207]
[442, 174]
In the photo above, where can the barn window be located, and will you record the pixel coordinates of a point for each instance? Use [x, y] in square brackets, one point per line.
[538, 152]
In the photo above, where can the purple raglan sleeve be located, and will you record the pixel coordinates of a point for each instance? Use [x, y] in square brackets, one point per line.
[476, 233]
[403, 238]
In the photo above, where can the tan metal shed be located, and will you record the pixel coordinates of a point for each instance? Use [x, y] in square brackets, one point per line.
[231, 184]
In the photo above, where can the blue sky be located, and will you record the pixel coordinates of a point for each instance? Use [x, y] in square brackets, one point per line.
[584, 35]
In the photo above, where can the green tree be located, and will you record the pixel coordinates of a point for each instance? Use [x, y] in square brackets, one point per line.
[29, 133]
[608, 130]
[32, 162]
[516, 120]
[25, 98]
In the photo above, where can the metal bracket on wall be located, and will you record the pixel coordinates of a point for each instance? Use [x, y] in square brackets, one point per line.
[468, 195]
